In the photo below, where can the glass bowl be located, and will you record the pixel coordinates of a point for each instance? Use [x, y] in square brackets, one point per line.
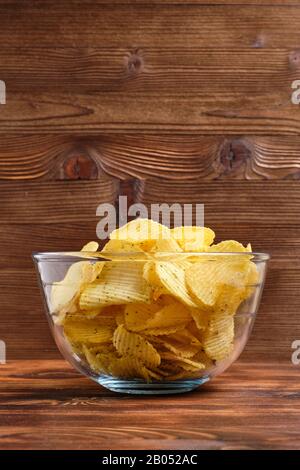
[189, 354]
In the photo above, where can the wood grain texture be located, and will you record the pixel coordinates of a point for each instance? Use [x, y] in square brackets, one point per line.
[91, 25]
[187, 68]
[54, 202]
[171, 157]
[251, 406]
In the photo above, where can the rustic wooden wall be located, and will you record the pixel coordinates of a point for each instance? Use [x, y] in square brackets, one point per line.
[165, 101]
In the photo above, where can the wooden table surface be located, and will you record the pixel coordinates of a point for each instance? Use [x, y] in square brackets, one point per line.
[47, 405]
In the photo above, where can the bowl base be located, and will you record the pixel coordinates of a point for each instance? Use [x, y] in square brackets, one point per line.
[139, 387]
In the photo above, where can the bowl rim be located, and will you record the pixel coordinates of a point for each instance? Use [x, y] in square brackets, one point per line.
[56, 256]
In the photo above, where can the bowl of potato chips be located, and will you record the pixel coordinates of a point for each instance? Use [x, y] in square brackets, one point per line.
[157, 310]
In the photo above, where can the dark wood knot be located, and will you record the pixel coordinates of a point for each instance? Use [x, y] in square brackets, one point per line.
[294, 58]
[80, 167]
[135, 63]
[234, 155]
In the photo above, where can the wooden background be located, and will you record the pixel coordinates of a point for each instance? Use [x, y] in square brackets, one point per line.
[163, 101]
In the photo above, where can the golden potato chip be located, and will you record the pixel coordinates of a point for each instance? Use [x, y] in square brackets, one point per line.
[218, 338]
[120, 318]
[183, 362]
[133, 344]
[175, 344]
[230, 246]
[99, 362]
[206, 280]
[200, 318]
[91, 246]
[140, 230]
[65, 293]
[172, 278]
[200, 356]
[137, 315]
[119, 283]
[193, 238]
[128, 367]
[166, 330]
[169, 316]
[87, 331]
[168, 245]
[121, 246]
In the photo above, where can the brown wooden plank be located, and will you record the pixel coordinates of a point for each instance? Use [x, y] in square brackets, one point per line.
[233, 113]
[232, 412]
[51, 157]
[129, 25]
[273, 204]
[180, 69]
[168, 71]
[193, 157]
[55, 202]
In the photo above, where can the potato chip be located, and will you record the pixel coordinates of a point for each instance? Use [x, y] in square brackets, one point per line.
[99, 362]
[193, 238]
[229, 246]
[65, 293]
[206, 280]
[203, 358]
[172, 278]
[171, 315]
[168, 245]
[128, 367]
[140, 230]
[91, 246]
[133, 344]
[121, 246]
[119, 283]
[200, 318]
[181, 349]
[183, 362]
[87, 331]
[137, 315]
[218, 338]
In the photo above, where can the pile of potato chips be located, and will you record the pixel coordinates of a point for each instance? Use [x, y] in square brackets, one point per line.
[156, 303]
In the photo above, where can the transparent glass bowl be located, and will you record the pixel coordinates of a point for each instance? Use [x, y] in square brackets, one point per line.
[52, 268]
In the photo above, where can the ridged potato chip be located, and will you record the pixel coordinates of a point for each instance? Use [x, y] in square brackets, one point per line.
[206, 280]
[172, 278]
[140, 230]
[177, 346]
[230, 246]
[193, 238]
[87, 331]
[137, 315]
[218, 338]
[168, 316]
[119, 283]
[121, 246]
[65, 293]
[133, 344]
[128, 367]
[91, 246]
